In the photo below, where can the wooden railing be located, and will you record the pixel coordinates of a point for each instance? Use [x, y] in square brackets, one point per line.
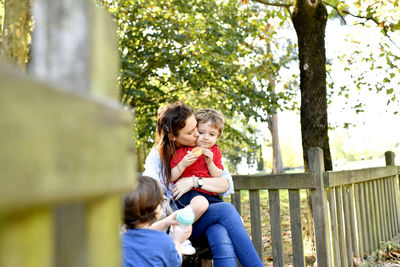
[354, 211]
[65, 154]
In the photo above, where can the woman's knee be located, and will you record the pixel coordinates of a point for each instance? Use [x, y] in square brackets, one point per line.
[226, 209]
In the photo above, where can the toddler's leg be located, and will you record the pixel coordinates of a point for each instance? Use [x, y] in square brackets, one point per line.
[199, 205]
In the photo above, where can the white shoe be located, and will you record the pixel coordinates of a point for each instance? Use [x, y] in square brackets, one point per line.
[187, 248]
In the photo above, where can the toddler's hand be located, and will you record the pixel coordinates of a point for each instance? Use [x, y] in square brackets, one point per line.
[180, 234]
[188, 160]
[208, 155]
[171, 219]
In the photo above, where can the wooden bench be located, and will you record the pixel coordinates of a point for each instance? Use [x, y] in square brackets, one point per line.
[202, 258]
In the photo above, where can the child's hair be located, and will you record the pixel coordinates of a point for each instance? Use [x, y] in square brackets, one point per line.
[141, 203]
[216, 118]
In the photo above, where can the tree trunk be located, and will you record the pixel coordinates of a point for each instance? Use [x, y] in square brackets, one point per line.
[309, 19]
[277, 166]
[14, 44]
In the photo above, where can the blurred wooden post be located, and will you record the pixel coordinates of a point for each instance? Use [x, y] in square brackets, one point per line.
[65, 142]
[320, 208]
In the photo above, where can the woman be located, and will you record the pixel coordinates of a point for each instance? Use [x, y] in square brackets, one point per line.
[220, 224]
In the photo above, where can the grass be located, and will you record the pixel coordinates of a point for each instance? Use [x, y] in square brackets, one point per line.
[265, 223]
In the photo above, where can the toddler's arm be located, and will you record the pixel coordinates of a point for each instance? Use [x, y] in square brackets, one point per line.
[177, 171]
[163, 224]
[212, 168]
[179, 235]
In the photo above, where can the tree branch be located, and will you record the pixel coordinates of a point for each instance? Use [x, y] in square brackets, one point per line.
[367, 18]
[276, 4]
[267, 3]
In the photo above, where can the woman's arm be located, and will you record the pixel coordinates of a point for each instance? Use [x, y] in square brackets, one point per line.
[214, 184]
[228, 177]
[153, 169]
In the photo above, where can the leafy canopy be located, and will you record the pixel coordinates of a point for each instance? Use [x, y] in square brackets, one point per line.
[206, 53]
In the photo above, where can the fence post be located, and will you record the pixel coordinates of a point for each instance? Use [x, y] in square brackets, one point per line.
[390, 161]
[320, 208]
[389, 158]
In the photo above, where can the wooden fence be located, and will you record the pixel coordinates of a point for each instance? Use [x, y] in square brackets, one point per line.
[65, 154]
[354, 211]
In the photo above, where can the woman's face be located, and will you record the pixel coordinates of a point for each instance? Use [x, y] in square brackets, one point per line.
[187, 136]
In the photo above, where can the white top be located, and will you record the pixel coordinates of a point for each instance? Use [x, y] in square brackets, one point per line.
[152, 168]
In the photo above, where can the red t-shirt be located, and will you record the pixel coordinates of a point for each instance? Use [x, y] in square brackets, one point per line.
[199, 167]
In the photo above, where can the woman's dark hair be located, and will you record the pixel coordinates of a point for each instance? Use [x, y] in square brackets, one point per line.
[170, 120]
[141, 203]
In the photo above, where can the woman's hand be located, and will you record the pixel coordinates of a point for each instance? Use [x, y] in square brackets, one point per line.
[182, 186]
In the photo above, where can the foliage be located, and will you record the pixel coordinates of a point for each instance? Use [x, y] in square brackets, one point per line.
[206, 53]
[381, 52]
[1, 18]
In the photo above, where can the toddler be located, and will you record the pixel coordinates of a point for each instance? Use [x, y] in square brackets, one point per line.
[142, 211]
[206, 164]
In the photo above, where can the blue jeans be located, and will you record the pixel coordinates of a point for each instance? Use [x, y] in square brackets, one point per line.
[226, 235]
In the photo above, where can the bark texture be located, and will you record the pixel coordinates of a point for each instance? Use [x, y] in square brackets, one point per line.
[15, 34]
[277, 166]
[309, 20]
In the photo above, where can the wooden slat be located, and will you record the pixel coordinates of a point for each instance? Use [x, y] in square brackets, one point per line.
[27, 238]
[57, 146]
[71, 246]
[256, 236]
[353, 224]
[341, 226]
[334, 228]
[103, 216]
[396, 204]
[296, 228]
[392, 205]
[382, 209]
[368, 217]
[389, 208]
[386, 209]
[360, 235]
[372, 213]
[364, 218]
[337, 178]
[376, 213]
[274, 181]
[348, 237]
[235, 200]
[397, 192]
[276, 233]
